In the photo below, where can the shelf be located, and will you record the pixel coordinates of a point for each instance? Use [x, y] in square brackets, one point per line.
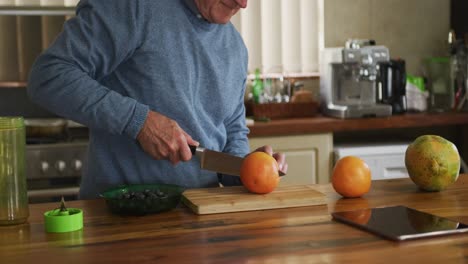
[322, 124]
[37, 10]
[12, 84]
[305, 75]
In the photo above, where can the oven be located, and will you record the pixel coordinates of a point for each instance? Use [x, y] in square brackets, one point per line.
[56, 153]
[54, 170]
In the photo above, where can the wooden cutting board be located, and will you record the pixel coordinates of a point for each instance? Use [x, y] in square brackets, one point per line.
[236, 199]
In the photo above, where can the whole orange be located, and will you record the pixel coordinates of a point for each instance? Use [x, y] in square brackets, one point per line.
[351, 177]
[259, 172]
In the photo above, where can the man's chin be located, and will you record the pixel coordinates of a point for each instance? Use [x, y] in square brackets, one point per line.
[222, 16]
[223, 20]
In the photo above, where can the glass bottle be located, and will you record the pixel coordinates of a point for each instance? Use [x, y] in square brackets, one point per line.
[257, 87]
[13, 189]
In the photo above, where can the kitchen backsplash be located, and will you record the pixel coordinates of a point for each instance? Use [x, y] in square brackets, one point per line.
[411, 29]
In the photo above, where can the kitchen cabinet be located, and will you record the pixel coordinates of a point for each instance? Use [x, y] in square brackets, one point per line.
[308, 156]
[27, 29]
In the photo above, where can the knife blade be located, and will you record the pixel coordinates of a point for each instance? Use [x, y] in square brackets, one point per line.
[219, 161]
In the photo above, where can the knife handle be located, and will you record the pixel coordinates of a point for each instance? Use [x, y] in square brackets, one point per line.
[195, 149]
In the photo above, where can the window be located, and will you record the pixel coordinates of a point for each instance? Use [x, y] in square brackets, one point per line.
[282, 36]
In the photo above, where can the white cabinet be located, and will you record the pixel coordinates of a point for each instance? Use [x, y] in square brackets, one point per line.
[308, 156]
[386, 161]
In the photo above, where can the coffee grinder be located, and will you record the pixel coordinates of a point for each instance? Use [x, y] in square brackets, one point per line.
[392, 85]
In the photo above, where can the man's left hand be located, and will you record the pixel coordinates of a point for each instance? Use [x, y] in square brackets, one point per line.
[279, 157]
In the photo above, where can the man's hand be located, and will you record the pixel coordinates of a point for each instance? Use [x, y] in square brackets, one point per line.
[162, 138]
[279, 157]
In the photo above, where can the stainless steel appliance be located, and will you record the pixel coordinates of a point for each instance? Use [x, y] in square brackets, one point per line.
[55, 157]
[348, 80]
[54, 169]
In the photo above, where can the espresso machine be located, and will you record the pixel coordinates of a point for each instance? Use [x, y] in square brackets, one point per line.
[349, 80]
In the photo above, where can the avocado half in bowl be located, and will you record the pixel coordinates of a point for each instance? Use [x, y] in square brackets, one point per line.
[142, 199]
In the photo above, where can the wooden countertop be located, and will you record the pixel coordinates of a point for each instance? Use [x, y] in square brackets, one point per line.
[322, 124]
[295, 235]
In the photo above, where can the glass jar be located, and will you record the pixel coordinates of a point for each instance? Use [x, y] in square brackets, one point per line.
[13, 190]
[441, 92]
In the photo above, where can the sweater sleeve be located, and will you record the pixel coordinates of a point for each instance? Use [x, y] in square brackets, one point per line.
[237, 141]
[236, 128]
[65, 79]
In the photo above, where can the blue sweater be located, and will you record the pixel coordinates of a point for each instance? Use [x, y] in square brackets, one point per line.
[117, 59]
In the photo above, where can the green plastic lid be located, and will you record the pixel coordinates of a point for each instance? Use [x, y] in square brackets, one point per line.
[416, 81]
[438, 59]
[57, 221]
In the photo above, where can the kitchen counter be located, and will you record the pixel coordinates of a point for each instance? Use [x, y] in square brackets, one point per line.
[322, 124]
[294, 235]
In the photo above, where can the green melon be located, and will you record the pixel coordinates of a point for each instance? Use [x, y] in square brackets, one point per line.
[433, 162]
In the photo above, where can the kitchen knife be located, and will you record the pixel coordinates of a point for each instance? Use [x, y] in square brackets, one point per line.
[219, 162]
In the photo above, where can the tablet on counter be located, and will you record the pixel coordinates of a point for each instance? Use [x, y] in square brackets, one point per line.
[400, 223]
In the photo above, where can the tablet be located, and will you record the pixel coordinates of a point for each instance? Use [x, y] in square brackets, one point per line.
[400, 223]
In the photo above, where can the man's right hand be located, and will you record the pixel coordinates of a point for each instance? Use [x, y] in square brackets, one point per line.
[162, 138]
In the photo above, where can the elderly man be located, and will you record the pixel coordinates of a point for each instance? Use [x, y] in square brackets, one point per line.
[149, 78]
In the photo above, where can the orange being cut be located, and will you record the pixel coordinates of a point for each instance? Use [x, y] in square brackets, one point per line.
[259, 173]
[351, 177]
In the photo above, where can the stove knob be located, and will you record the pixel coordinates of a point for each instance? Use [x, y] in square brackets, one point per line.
[60, 165]
[77, 165]
[44, 166]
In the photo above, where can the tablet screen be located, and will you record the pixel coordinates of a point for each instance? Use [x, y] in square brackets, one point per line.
[400, 222]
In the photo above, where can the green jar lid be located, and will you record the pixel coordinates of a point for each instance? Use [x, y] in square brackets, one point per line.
[11, 122]
[57, 221]
[439, 59]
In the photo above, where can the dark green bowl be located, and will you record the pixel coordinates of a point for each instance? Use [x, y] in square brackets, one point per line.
[141, 199]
